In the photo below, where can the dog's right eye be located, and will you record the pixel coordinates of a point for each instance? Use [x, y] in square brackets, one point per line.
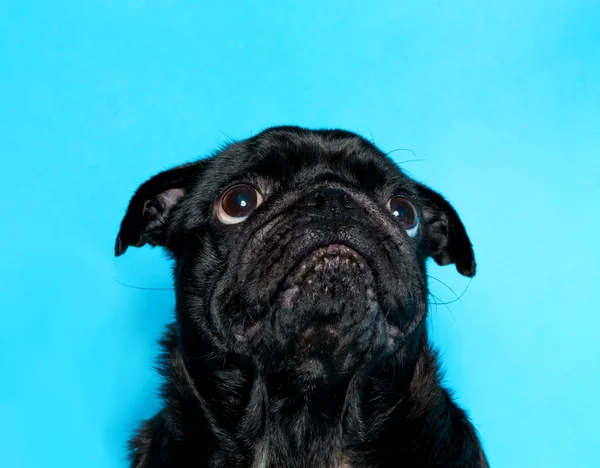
[403, 209]
[237, 203]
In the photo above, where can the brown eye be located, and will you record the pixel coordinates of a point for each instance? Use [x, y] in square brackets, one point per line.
[237, 203]
[403, 209]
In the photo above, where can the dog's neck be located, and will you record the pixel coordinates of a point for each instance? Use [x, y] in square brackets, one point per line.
[320, 423]
[295, 422]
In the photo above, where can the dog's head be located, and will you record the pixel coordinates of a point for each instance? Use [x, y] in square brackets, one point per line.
[298, 249]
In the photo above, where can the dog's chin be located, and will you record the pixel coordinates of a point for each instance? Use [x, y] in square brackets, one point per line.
[326, 314]
[325, 320]
[325, 277]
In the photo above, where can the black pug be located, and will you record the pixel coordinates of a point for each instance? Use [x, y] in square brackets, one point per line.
[300, 335]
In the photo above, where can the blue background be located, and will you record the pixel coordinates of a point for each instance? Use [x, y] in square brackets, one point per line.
[500, 104]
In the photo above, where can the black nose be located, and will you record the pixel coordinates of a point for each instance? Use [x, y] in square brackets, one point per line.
[330, 201]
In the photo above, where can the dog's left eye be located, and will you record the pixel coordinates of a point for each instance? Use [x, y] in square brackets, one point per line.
[403, 209]
[237, 203]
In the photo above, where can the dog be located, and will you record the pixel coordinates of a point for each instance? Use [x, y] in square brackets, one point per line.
[299, 338]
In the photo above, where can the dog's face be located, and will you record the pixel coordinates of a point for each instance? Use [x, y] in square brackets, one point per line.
[299, 249]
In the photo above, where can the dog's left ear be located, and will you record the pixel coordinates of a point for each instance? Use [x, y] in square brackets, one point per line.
[145, 221]
[448, 240]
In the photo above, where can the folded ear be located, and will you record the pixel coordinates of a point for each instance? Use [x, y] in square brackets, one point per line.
[448, 240]
[146, 218]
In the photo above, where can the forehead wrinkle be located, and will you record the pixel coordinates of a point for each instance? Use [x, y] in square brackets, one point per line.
[285, 157]
[362, 169]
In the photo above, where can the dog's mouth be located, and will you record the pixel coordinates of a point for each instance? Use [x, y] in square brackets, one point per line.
[332, 285]
[327, 270]
[325, 316]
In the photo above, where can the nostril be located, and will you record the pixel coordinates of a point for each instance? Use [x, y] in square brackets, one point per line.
[319, 199]
[335, 200]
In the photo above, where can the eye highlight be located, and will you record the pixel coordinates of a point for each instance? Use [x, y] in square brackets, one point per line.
[237, 203]
[403, 209]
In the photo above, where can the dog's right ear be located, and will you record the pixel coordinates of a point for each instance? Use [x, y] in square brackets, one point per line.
[448, 239]
[146, 218]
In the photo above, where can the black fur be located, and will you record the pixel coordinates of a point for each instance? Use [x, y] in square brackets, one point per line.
[279, 356]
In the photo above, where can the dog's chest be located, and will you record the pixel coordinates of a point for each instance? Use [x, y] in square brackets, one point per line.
[262, 459]
[264, 464]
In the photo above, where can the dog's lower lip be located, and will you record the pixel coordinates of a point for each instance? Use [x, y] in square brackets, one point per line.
[331, 255]
[335, 259]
